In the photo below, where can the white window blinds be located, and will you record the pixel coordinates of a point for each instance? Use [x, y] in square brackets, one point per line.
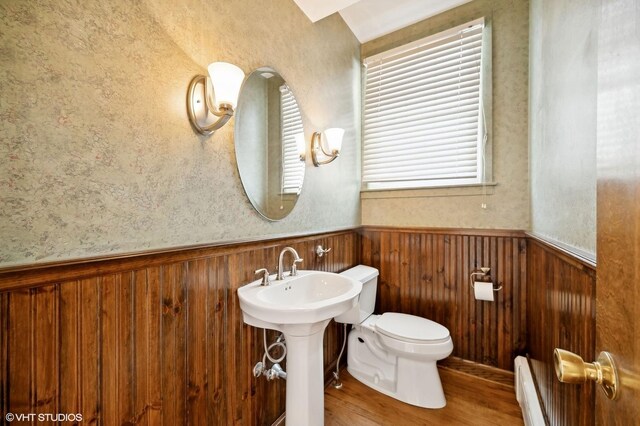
[292, 167]
[422, 115]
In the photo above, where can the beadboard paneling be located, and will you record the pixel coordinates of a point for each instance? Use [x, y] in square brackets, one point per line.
[561, 312]
[150, 339]
[426, 272]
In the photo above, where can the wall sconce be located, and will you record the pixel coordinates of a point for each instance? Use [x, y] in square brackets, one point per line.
[301, 146]
[333, 141]
[212, 99]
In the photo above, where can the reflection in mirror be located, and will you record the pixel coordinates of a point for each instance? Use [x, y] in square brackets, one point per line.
[268, 126]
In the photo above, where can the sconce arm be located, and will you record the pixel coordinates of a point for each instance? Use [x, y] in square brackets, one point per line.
[199, 106]
[224, 115]
[316, 142]
[320, 163]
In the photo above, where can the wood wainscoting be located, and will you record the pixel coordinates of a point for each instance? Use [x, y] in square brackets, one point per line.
[149, 339]
[158, 337]
[426, 272]
[561, 312]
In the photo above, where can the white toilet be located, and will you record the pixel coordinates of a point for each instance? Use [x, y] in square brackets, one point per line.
[394, 353]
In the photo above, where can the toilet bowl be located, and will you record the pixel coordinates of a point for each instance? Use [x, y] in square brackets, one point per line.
[394, 353]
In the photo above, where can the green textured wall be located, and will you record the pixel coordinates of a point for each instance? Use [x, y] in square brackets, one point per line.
[98, 156]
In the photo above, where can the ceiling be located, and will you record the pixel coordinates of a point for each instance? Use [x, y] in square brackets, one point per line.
[370, 19]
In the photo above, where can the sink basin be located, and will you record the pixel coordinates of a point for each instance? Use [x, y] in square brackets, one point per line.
[309, 297]
[301, 307]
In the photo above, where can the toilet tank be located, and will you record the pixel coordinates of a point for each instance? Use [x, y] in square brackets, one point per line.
[368, 276]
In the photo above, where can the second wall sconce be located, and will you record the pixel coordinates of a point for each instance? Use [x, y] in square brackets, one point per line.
[326, 149]
[212, 99]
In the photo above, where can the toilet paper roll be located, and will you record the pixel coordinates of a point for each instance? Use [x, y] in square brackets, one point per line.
[483, 291]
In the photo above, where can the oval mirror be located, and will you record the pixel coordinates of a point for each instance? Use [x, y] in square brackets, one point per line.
[268, 135]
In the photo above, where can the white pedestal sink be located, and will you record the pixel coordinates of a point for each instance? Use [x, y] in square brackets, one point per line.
[301, 307]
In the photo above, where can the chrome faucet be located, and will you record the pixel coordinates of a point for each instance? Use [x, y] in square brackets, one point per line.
[294, 268]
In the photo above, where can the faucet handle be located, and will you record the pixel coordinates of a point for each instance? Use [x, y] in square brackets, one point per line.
[265, 276]
[294, 267]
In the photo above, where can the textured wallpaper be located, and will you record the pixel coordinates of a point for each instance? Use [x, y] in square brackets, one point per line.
[563, 127]
[508, 202]
[98, 156]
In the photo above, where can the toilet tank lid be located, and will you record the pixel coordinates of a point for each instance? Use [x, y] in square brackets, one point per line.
[411, 328]
[361, 273]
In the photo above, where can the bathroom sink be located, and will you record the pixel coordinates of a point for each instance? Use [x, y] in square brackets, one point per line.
[309, 297]
[301, 307]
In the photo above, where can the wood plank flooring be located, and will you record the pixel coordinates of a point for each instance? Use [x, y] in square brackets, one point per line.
[471, 401]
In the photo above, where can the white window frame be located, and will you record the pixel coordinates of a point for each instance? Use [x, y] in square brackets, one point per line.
[483, 153]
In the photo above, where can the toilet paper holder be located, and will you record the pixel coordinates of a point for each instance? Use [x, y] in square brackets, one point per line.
[484, 272]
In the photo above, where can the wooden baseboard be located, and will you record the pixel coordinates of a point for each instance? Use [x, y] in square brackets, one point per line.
[485, 372]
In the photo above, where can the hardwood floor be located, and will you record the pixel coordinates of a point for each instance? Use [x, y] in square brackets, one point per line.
[470, 401]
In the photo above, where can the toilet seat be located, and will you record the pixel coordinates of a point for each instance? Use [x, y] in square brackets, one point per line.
[411, 328]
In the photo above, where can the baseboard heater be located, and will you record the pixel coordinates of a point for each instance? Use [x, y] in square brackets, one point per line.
[527, 395]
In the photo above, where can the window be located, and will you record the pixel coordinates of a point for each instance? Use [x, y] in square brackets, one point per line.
[292, 167]
[424, 119]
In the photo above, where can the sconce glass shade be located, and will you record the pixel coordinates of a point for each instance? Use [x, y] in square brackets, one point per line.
[226, 79]
[301, 146]
[334, 139]
[211, 100]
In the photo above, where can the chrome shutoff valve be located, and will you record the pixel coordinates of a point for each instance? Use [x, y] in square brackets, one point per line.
[258, 369]
[276, 372]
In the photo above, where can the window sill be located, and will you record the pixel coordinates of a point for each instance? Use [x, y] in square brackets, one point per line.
[440, 191]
